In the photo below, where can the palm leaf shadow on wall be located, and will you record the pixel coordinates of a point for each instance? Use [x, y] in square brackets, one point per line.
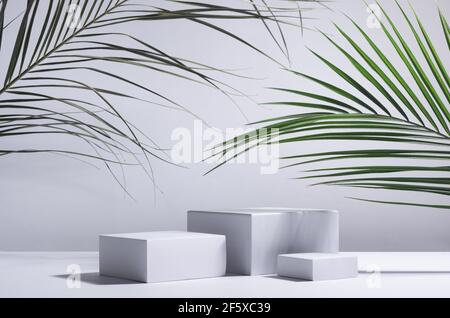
[414, 115]
[55, 39]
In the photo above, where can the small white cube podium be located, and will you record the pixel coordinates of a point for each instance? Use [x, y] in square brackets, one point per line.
[162, 256]
[317, 266]
[255, 237]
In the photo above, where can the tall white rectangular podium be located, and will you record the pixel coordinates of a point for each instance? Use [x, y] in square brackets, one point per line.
[255, 237]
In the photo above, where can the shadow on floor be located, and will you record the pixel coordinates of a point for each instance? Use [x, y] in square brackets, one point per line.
[95, 278]
[409, 272]
[290, 279]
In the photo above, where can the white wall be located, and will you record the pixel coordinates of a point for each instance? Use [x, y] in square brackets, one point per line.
[49, 202]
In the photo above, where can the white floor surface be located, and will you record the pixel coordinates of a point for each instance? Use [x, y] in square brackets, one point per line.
[382, 275]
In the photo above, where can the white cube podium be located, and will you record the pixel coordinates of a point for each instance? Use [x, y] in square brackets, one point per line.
[317, 266]
[162, 256]
[255, 237]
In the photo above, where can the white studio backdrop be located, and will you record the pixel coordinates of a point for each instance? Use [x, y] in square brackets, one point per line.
[51, 202]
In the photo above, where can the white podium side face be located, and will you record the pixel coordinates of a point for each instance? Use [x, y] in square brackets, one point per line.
[315, 231]
[123, 258]
[317, 266]
[270, 238]
[236, 228]
[191, 258]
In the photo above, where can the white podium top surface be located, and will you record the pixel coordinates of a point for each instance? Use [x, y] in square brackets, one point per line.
[160, 235]
[262, 211]
[317, 256]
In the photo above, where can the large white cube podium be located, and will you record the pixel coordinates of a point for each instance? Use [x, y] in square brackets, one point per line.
[255, 237]
[162, 256]
[317, 266]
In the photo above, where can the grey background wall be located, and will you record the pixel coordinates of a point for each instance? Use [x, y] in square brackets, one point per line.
[50, 202]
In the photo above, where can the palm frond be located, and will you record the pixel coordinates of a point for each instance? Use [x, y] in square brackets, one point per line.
[49, 46]
[411, 117]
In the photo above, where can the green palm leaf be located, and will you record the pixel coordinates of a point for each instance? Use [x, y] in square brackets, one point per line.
[49, 46]
[411, 117]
